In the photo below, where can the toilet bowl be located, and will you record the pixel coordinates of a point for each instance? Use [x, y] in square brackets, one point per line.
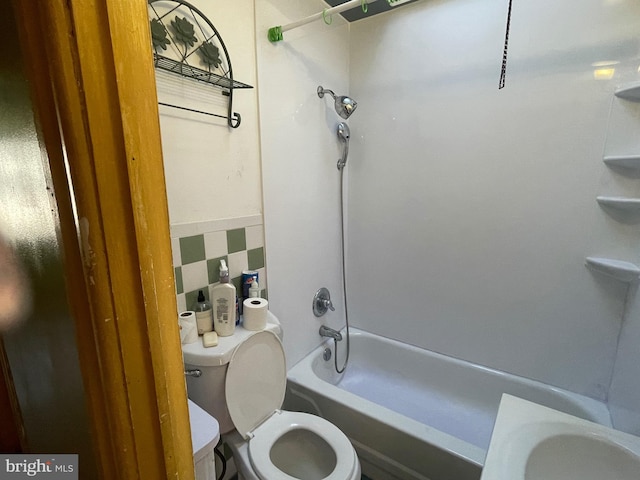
[301, 446]
[269, 443]
[293, 451]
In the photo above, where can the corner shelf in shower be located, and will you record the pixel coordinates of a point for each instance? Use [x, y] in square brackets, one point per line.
[631, 162]
[188, 38]
[630, 91]
[620, 203]
[620, 270]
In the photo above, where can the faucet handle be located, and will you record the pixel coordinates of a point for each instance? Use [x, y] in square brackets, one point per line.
[329, 304]
[322, 302]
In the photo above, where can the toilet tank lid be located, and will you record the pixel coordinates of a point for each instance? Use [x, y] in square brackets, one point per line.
[197, 355]
[205, 431]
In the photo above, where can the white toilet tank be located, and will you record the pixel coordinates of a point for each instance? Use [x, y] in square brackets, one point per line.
[208, 390]
[205, 434]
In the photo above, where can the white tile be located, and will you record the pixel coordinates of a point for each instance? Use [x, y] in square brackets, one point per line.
[194, 276]
[255, 236]
[183, 230]
[237, 263]
[239, 222]
[262, 279]
[215, 244]
[195, 228]
[182, 302]
[175, 251]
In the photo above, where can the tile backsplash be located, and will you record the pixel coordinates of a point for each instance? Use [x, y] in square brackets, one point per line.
[198, 248]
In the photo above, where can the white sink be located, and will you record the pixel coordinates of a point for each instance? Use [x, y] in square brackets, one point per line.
[532, 442]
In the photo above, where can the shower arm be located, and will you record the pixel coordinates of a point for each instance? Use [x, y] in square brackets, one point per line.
[321, 92]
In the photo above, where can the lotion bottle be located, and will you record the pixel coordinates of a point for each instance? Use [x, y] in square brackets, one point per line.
[224, 304]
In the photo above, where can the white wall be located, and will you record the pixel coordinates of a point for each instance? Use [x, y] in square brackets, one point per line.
[213, 172]
[472, 208]
[624, 394]
[299, 154]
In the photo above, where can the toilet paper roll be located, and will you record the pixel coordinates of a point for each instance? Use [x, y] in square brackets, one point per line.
[188, 327]
[255, 313]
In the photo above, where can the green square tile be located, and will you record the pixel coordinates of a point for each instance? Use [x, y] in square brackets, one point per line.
[191, 298]
[179, 285]
[256, 258]
[237, 282]
[213, 268]
[192, 249]
[236, 240]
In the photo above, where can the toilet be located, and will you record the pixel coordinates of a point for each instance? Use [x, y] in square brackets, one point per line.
[242, 385]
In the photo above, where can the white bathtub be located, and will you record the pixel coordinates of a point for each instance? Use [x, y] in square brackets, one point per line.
[415, 414]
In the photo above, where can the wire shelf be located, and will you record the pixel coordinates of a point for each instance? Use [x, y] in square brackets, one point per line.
[189, 71]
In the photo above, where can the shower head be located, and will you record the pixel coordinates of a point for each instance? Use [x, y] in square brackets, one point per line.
[344, 105]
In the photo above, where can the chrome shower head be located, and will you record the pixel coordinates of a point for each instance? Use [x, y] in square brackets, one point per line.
[344, 105]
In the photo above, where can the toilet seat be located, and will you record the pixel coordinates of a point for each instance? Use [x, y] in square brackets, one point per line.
[267, 434]
[255, 385]
[256, 381]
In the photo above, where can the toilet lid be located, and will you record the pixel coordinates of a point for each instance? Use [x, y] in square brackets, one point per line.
[256, 381]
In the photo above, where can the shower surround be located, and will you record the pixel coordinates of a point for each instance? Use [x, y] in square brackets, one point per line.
[470, 209]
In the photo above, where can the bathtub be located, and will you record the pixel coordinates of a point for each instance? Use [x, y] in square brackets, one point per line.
[415, 414]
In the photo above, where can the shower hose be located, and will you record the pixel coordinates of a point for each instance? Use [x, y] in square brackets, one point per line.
[344, 280]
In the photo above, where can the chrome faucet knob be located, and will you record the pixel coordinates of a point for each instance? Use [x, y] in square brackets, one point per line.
[328, 304]
[322, 302]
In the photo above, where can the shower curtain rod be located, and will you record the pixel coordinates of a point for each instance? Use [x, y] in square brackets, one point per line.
[275, 33]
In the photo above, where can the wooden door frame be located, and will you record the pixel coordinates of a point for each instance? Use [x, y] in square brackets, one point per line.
[90, 66]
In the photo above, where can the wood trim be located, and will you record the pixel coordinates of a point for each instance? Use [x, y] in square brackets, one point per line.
[102, 79]
[49, 137]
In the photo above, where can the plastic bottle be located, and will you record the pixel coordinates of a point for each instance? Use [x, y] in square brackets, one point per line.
[204, 314]
[224, 304]
[254, 290]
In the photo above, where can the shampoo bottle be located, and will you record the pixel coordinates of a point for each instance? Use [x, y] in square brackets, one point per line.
[204, 314]
[224, 304]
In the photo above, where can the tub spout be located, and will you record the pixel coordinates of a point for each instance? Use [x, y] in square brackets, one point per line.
[330, 332]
